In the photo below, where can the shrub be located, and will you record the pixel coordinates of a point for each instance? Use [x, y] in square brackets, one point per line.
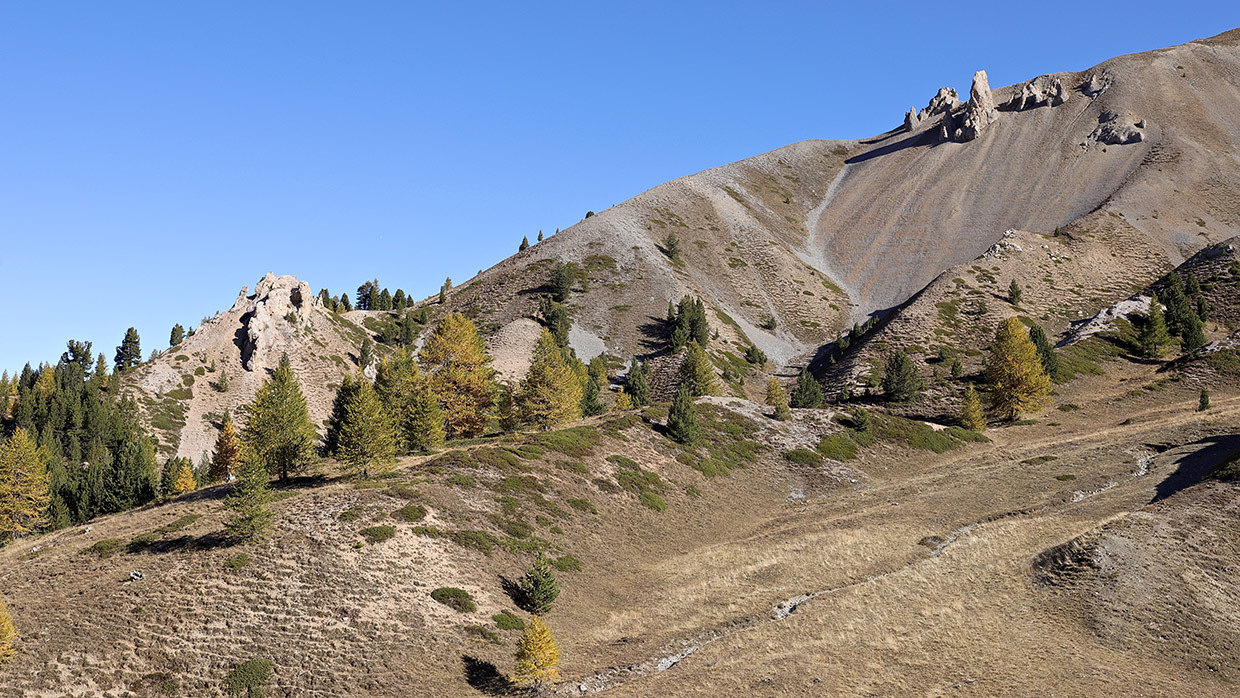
[583, 505]
[248, 679]
[237, 561]
[481, 541]
[377, 534]
[179, 524]
[351, 514]
[803, 456]
[506, 620]
[402, 491]
[458, 600]
[104, 548]
[461, 481]
[142, 542]
[410, 512]
[576, 442]
[652, 500]
[567, 563]
[624, 462]
[839, 447]
[483, 633]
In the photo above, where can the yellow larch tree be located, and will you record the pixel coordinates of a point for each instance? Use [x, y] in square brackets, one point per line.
[1014, 374]
[455, 359]
[24, 488]
[538, 657]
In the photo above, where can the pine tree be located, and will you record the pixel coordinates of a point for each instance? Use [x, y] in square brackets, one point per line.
[1203, 308]
[345, 304]
[1178, 309]
[776, 398]
[24, 486]
[399, 300]
[366, 441]
[551, 393]
[406, 395]
[1153, 335]
[562, 278]
[1014, 373]
[537, 588]
[1203, 401]
[556, 319]
[129, 353]
[671, 247]
[591, 398]
[525, 244]
[682, 424]
[957, 368]
[538, 657]
[8, 634]
[861, 422]
[335, 422]
[506, 414]
[366, 354]
[697, 372]
[277, 426]
[185, 479]
[971, 414]
[1046, 351]
[1014, 293]
[1193, 337]
[454, 356]
[808, 393]
[221, 383]
[248, 500]
[636, 385]
[900, 379]
[177, 336]
[227, 453]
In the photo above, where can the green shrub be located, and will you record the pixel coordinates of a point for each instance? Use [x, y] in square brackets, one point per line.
[352, 514]
[461, 481]
[482, 633]
[583, 505]
[1038, 460]
[839, 447]
[481, 541]
[180, 524]
[567, 563]
[1069, 407]
[516, 529]
[803, 456]
[104, 548]
[652, 500]
[402, 491]
[967, 435]
[458, 600]
[410, 512]
[428, 531]
[237, 561]
[377, 534]
[1065, 478]
[576, 442]
[142, 542]
[249, 678]
[572, 466]
[506, 620]
[623, 462]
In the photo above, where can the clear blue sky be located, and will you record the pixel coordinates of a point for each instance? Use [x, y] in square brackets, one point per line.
[156, 156]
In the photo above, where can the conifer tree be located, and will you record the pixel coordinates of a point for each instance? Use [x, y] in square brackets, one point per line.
[776, 398]
[406, 395]
[682, 424]
[8, 634]
[636, 385]
[184, 481]
[454, 357]
[971, 414]
[24, 486]
[540, 236]
[861, 422]
[221, 383]
[366, 440]
[537, 588]
[1203, 401]
[366, 354]
[99, 376]
[671, 247]
[1203, 308]
[277, 427]
[1153, 335]
[591, 398]
[129, 353]
[344, 393]
[177, 336]
[1014, 373]
[1193, 336]
[1178, 308]
[697, 372]
[399, 300]
[556, 318]
[227, 453]
[808, 393]
[551, 393]
[1014, 293]
[562, 278]
[345, 304]
[506, 414]
[1046, 351]
[251, 493]
[525, 244]
[623, 401]
[538, 657]
[900, 379]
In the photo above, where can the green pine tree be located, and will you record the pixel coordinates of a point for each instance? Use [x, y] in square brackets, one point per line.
[177, 336]
[129, 353]
[682, 424]
[366, 439]
[900, 378]
[1153, 335]
[697, 372]
[248, 501]
[525, 244]
[538, 589]
[277, 427]
[808, 393]
[1046, 350]
[1203, 401]
[1014, 293]
[636, 385]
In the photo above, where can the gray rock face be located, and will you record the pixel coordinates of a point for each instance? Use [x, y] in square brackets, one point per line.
[944, 101]
[1041, 91]
[1095, 84]
[980, 111]
[912, 119]
[280, 305]
[1115, 129]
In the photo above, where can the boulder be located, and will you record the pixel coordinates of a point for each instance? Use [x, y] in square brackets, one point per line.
[1095, 84]
[1117, 129]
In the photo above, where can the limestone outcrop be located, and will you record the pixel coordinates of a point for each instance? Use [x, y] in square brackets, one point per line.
[1041, 91]
[1117, 129]
[980, 110]
[276, 303]
[944, 101]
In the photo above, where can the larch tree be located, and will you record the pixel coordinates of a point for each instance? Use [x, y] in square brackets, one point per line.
[8, 634]
[623, 401]
[775, 397]
[1014, 373]
[455, 359]
[277, 427]
[551, 393]
[538, 657]
[248, 501]
[227, 454]
[698, 372]
[367, 441]
[184, 481]
[24, 486]
[971, 414]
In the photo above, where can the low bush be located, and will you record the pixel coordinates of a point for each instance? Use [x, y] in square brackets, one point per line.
[104, 548]
[838, 447]
[803, 456]
[458, 600]
[377, 534]
[238, 561]
[583, 505]
[506, 620]
[567, 563]
[410, 512]
[249, 678]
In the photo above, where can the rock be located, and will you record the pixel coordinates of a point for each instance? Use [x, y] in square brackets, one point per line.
[1115, 129]
[980, 111]
[1041, 91]
[136, 576]
[1095, 84]
[279, 307]
[912, 119]
[945, 100]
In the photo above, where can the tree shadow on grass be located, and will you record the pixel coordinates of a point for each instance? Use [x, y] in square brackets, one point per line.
[515, 592]
[1192, 467]
[485, 677]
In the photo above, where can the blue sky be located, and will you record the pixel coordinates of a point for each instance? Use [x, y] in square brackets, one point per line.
[156, 157]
